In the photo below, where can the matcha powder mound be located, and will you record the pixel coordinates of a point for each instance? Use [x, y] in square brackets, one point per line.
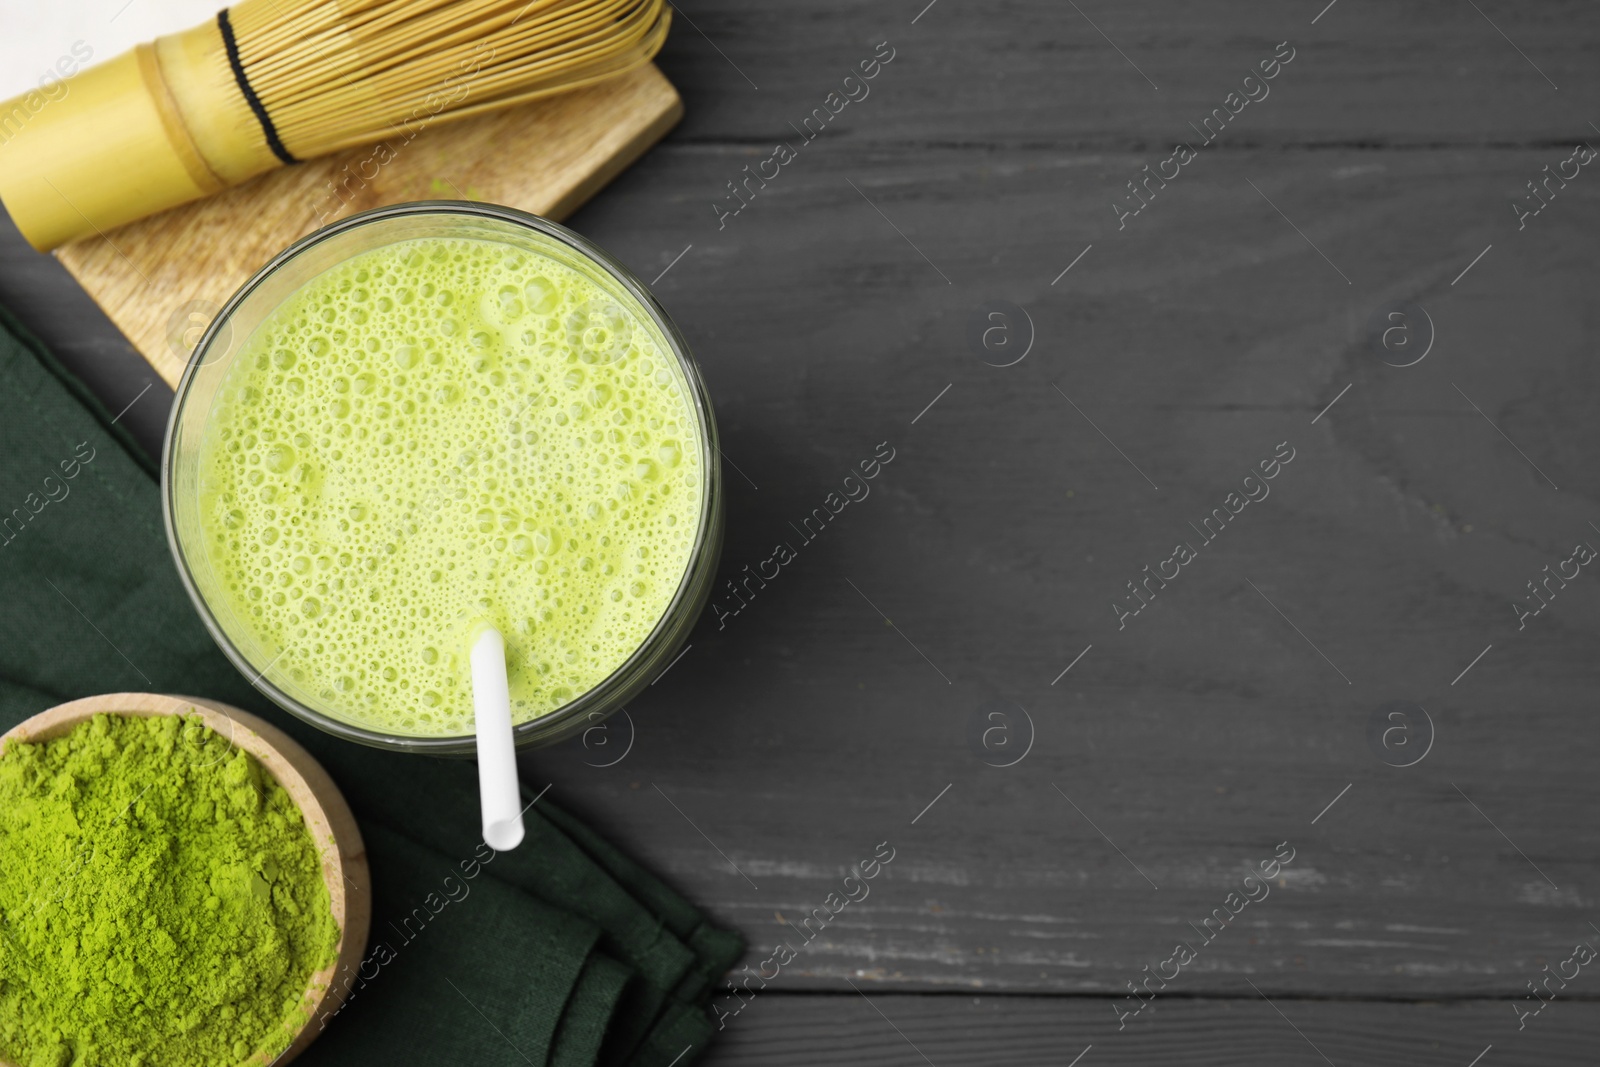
[161, 900]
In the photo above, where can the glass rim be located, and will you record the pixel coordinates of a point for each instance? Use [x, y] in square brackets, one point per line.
[553, 725]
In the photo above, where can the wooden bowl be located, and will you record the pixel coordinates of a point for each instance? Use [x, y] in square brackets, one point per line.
[344, 857]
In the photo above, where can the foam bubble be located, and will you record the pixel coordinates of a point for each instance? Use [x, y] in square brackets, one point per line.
[436, 432]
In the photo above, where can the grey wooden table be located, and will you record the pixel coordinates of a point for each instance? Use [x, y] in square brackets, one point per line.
[1073, 659]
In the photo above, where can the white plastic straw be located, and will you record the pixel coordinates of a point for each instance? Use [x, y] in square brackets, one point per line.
[497, 758]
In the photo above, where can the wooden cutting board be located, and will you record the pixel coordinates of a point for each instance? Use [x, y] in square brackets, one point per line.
[163, 278]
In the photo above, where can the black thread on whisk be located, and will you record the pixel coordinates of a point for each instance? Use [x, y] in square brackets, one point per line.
[250, 97]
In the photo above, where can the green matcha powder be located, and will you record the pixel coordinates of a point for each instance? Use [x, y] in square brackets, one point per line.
[161, 900]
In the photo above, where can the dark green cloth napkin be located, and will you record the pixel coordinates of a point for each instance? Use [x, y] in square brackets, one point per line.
[562, 952]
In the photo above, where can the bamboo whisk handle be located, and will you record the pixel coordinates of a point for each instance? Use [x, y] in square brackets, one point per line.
[199, 111]
[149, 130]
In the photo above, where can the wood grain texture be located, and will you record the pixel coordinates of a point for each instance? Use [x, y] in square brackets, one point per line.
[327, 816]
[162, 278]
[1199, 338]
[1022, 73]
[1208, 330]
[847, 1029]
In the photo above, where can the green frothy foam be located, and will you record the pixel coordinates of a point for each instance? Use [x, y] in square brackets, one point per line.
[436, 432]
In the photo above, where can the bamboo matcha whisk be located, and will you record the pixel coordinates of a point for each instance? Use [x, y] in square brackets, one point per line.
[270, 82]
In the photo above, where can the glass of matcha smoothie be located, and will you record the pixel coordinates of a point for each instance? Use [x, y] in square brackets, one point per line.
[426, 418]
